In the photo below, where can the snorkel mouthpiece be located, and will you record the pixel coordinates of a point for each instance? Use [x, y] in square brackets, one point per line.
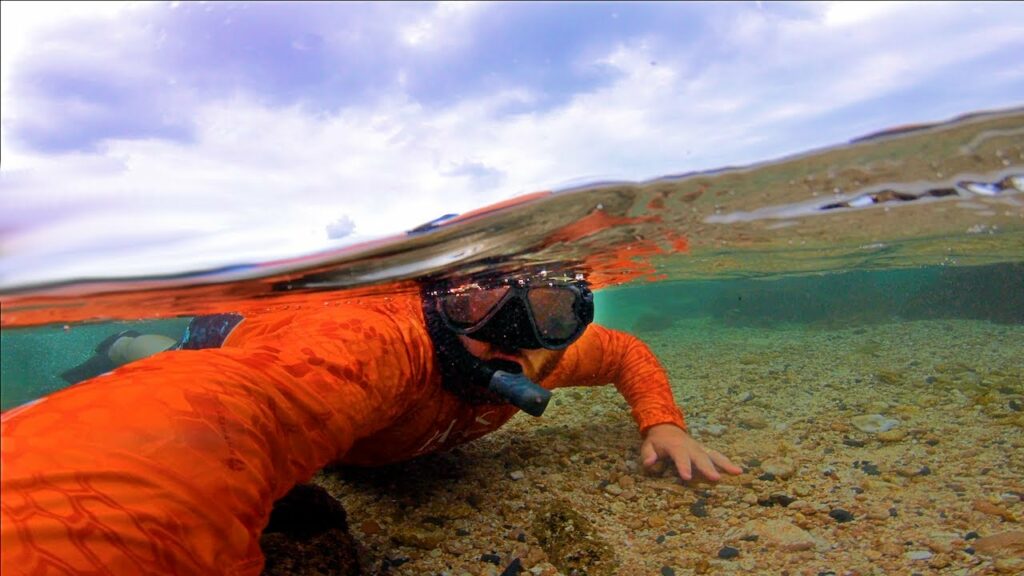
[520, 391]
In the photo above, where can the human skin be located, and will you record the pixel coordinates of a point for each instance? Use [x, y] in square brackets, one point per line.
[661, 441]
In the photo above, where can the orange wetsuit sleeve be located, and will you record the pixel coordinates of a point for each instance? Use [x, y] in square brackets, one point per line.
[603, 356]
[171, 465]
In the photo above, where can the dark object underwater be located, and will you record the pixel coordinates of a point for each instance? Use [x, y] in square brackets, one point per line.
[308, 535]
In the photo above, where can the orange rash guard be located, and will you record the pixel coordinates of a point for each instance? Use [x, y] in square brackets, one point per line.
[171, 465]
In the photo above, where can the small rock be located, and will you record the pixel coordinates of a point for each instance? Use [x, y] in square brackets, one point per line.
[779, 467]
[626, 482]
[986, 507]
[919, 555]
[613, 489]
[781, 534]
[752, 421]
[715, 430]
[416, 537]
[517, 475]
[514, 568]
[874, 423]
[840, 515]
[535, 555]
[699, 508]
[909, 471]
[939, 546]
[728, 552]
[839, 427]
[879, 512]
[890, 549]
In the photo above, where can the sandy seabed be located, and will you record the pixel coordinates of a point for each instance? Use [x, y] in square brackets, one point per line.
[882, 449]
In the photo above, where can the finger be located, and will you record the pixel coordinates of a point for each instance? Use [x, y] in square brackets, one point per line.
[707, 468]
[683, 466]
[724, 463]
[648, 455]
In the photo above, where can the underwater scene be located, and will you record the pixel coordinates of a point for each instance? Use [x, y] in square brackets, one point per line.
[847, 325]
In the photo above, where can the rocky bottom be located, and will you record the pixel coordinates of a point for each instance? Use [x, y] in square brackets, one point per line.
[885, 449]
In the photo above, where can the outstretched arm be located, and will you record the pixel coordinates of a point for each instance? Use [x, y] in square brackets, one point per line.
[172, 464]
[603, 355]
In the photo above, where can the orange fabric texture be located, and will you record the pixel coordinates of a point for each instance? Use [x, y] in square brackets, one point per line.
[171, 465]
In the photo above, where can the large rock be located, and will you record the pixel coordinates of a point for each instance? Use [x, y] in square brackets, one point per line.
[570, 542]
[1001, 544]
[308, 536]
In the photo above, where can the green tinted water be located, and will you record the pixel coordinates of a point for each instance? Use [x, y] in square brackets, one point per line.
[33, 358]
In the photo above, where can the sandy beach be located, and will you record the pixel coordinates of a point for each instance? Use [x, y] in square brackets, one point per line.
[891, 448]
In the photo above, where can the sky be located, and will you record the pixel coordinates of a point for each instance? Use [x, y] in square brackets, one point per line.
[150, 138]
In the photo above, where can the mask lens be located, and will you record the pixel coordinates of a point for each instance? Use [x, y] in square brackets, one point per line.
[465, 309]
[554, 311]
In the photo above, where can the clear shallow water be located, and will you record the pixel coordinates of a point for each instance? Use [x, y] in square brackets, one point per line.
[909, 224]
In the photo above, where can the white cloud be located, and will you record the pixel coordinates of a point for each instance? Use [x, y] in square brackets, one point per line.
[260, 182]
[842, 14]
[440, 27]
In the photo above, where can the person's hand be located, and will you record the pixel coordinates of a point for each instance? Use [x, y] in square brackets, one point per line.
[670, 441]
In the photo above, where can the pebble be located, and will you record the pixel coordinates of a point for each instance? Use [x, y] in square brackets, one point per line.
[613, 489]
[752, 421]
[840, 515]
[879, 512]
[517, 475]
[370, 527]
[919, 555]
[874, 423]
[909, 471]
[728, 552]
[986, 507]
[715, 430]
[779, 467]
[781, 534]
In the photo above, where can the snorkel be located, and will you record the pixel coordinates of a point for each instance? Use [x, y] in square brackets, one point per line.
[514, 387]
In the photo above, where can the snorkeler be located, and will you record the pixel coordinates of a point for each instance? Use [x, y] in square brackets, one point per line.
[171, 464]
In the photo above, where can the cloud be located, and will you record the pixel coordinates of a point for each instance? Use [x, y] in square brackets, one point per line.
[340, 228]
[216, 133]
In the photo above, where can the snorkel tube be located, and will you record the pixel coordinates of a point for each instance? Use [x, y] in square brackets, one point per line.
[518, 390]
[478, 381]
